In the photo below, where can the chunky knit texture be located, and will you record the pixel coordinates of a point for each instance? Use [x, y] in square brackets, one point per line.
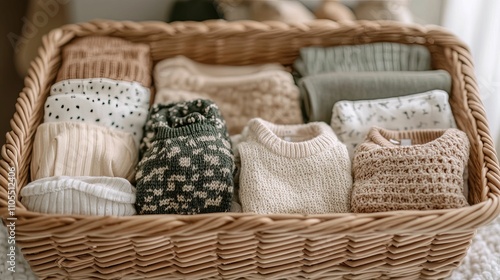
[189, 166]
[115, 104]
[425, 175]
[80, 149]
[382, 56]
[170, 115]
[106, 57]
[241, 92]
[351, 120]
[102, 196]
[288, 169]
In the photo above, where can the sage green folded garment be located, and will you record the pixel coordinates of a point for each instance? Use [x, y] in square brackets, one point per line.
[320, 92]
[363, 58]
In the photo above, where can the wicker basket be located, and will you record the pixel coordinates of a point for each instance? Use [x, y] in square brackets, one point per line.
[391, 245]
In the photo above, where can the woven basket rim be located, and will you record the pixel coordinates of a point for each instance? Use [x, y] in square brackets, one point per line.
[431, 221]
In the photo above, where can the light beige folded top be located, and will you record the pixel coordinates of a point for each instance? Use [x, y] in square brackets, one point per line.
[241, 92]
[81, 149]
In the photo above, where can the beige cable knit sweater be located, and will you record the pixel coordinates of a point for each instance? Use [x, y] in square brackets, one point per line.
[427, 174]
[287, 169]
[241, 92]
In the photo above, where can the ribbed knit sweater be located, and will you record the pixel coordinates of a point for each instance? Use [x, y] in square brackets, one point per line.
[241, 92]
[80, 149]
[80, 195]
[428, 174]
[287, 169]
[106, 57]
[382, 56]
[188, 168]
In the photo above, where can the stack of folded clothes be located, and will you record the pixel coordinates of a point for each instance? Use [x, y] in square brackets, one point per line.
[88, 143]
[389, 89]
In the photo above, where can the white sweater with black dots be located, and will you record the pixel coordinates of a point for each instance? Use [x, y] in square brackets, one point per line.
[111, 103]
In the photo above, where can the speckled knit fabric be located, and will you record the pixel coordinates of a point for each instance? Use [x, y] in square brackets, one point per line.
[427, 174]
[106, 57]
[241, 92]
[188, 169]
[288, 169]
[166, 114]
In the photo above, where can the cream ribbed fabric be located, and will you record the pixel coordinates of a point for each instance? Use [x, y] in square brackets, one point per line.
[79, 149]
[428, 174]
[240, 92]
[106, 57]
[300, 169]
[102, 196]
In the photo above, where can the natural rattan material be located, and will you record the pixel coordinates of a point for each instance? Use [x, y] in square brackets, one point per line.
[404, 244]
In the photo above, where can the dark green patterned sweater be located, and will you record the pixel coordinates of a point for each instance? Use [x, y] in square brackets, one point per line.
[187, 166]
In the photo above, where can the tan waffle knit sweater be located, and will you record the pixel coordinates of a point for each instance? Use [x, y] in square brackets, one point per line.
[428, 174]
[106, 57]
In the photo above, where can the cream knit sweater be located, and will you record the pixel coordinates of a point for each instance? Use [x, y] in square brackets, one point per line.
[81, 149]
[427, 174]
[288, 169]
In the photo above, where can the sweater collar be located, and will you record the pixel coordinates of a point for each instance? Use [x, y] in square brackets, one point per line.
[381, 136]
[269, 135]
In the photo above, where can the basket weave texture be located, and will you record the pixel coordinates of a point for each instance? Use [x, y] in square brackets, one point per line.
[389, 245]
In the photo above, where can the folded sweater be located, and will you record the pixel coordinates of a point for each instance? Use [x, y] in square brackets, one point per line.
[115, 104]
[382, 56]
[426, 174]
[351, 120]
[320, 92]
[170, 114]
[80, 149]
[241, 92]
[80, 195]
[188, 168]
[106, 57]
[287, 169]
